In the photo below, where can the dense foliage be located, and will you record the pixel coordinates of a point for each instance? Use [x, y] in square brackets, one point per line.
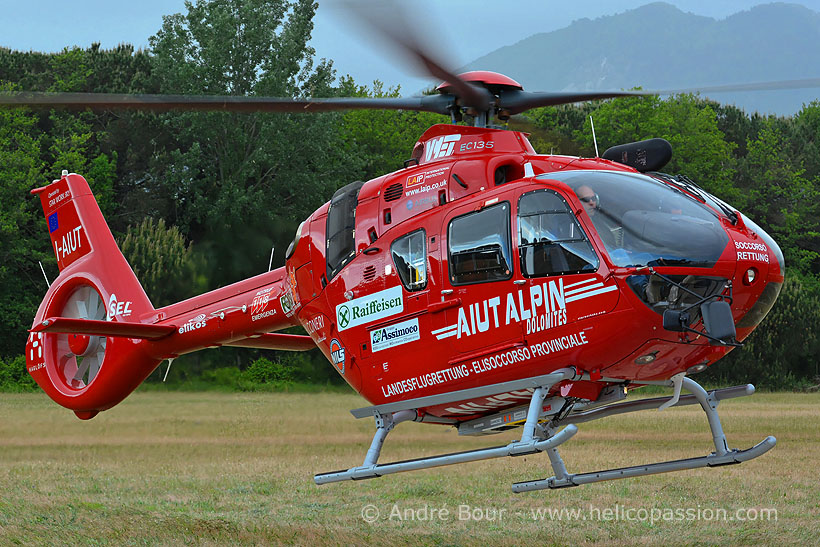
[197, 200]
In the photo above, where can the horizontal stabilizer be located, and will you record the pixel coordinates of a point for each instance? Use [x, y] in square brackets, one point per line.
[289, 342]
[104, 328]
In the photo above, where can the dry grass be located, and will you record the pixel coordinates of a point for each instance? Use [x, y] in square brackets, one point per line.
[210, 468]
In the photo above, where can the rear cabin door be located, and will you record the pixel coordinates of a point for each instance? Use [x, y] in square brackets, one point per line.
[477, 272]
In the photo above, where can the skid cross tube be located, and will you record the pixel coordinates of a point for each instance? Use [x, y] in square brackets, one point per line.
[708, 402]
[532, 440]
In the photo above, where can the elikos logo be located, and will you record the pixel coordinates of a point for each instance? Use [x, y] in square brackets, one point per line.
[366, 309]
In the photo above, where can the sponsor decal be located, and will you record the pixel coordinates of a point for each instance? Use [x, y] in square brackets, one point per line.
[752, 251]
[294, 294]
[194, 323]
[259, 305]
[541, 308]
[286, 301]
[426, 181]
[117, 308]
[35, 359]
[315, 326]
[414, 180]
[337, 355]
[426, 380]
[57, 196]
[366, 309]
[501, 360]
[425, 201]
[496, 401]
[395, 335]
[426, 188]
[476, 146]
[441, 147]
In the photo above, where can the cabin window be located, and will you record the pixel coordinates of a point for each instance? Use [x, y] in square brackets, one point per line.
[479, 246]
[550, 240]
[410, 257]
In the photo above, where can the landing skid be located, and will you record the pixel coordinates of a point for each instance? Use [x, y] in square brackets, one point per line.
[546, 437]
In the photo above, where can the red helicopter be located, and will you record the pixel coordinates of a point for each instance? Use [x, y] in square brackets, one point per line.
[483, 286]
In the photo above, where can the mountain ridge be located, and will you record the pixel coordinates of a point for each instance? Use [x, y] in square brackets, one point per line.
[658, 46]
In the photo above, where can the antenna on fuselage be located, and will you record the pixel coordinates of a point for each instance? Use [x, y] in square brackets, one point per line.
[594, 140]
[270, 262]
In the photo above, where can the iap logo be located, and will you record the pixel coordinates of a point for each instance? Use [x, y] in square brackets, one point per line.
[441, 147]
[337, 355]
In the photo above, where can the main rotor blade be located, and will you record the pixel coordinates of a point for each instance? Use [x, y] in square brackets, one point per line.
[808, 83]
[515, 101]
[106, 101]
[394, 25]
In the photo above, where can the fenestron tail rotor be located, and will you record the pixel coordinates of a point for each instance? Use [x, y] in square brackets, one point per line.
[80, 356]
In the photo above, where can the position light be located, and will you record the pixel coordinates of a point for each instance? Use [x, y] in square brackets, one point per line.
[751, 274]
[697, 368]
[646, 359]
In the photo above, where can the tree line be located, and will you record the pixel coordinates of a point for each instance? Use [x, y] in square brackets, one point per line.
[197, 200]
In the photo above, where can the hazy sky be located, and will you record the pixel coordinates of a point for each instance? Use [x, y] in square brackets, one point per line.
[461, 30]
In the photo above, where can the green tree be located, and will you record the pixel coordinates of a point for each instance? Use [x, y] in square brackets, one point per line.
[804, 137]
[23, 234]
[162, 261]
[781, 199]
[378, 141]
[228, 180]
[700, 150]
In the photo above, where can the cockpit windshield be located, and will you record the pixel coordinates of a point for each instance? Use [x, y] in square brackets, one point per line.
[643, 222]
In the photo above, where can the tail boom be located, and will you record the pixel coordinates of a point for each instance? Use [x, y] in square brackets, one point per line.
[96, 336]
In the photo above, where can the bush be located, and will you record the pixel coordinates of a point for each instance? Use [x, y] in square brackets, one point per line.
[14, 376]
[266, 372]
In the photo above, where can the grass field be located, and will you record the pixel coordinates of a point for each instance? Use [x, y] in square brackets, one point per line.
[188, 468]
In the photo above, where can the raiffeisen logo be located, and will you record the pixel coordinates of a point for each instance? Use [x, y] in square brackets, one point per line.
[369, 308]
[441, 147]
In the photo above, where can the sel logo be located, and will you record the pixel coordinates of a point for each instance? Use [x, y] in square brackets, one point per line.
[337, 355]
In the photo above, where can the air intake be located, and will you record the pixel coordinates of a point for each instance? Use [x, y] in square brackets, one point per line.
[393, 192]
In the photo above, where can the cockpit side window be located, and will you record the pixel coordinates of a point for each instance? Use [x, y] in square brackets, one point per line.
[410, 257]
[479, 246]
[341, 227]
[550, 240]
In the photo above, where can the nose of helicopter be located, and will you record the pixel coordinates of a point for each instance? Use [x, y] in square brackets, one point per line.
[759, 276]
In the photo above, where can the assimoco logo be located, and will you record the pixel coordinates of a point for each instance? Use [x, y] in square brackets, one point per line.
[369, 308]
[394, 335]
[441, 147]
